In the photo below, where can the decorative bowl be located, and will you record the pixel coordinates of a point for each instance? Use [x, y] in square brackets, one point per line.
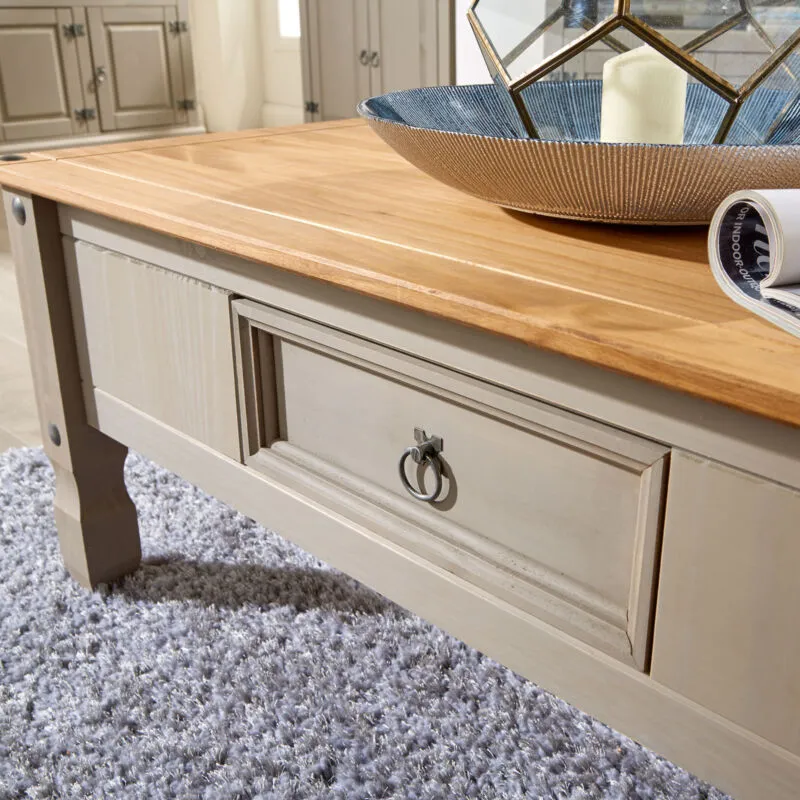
[730, 49]
[466, 137]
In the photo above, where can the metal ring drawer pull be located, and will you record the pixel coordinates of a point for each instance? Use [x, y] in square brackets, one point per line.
[425, 451]
[364, 57]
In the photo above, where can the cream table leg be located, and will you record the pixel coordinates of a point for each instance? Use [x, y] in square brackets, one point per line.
[96, 519]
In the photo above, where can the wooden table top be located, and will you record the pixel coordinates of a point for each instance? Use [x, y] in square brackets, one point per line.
[333, 202]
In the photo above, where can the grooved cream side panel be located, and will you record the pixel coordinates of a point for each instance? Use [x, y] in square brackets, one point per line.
[727, 633]
[159, 341]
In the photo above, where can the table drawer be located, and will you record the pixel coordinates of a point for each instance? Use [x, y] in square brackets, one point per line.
[552, 512]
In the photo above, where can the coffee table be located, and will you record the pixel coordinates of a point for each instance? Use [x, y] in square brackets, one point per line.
[560, 442]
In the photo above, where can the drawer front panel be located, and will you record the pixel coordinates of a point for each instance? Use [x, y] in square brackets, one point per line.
[554, 512]
[569, 509]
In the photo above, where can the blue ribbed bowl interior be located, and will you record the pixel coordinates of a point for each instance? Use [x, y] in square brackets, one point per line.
[570, 111]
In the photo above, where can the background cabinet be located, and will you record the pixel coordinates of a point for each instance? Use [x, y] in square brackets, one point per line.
[353, 49]
[68, 72]
[139, 73]
[41, 91]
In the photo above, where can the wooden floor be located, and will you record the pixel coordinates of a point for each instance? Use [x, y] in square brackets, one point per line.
[18, 424]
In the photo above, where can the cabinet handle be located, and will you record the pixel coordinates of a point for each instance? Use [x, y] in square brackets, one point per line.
[375, 59]
[364, 57]
[100, 76]
[425, 451]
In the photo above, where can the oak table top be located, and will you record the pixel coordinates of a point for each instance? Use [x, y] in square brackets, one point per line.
[333, 202]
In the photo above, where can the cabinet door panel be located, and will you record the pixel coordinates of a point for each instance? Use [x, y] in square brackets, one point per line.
[338, 33]
[141, 60]
[405, 34]
[40, 86]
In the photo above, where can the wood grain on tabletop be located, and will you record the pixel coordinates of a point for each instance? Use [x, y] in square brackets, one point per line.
[333, 202]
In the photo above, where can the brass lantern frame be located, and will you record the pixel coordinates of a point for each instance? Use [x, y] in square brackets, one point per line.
[623, 18]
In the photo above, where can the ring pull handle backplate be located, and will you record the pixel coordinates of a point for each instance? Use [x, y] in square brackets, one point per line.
[364, 57]
[425, 451]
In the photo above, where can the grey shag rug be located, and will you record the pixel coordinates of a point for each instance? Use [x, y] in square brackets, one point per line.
[234, 665]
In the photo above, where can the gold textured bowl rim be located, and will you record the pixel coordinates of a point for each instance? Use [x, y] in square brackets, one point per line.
[601, 182]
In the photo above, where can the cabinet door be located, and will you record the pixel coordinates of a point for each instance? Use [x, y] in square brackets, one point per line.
[40, 85]
[337, 34]
[405, 36]
[138, 66]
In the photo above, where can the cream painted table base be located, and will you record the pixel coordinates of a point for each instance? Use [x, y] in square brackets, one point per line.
[272, 315]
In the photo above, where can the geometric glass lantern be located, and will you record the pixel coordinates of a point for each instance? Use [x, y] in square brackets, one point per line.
[741, 59]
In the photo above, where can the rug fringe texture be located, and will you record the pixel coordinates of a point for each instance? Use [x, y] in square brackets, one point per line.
[235, 665]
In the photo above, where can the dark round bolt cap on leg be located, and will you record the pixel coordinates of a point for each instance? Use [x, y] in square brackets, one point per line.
[55, 434]
[18, 210]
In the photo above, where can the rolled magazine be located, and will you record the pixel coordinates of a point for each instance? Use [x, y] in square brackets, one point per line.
[754, 250]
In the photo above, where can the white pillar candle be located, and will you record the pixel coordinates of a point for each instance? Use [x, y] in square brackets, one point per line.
[644, 98]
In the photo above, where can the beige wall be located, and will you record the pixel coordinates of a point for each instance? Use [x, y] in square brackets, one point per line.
[282, 70]
[247, 76]
[470, 66]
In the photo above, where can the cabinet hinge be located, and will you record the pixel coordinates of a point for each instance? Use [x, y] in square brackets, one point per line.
[74, 30]
[85, 114]
[181, 26]
[312, 107]
[187, 105]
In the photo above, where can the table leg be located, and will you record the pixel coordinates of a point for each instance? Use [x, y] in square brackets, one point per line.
[96, 519]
